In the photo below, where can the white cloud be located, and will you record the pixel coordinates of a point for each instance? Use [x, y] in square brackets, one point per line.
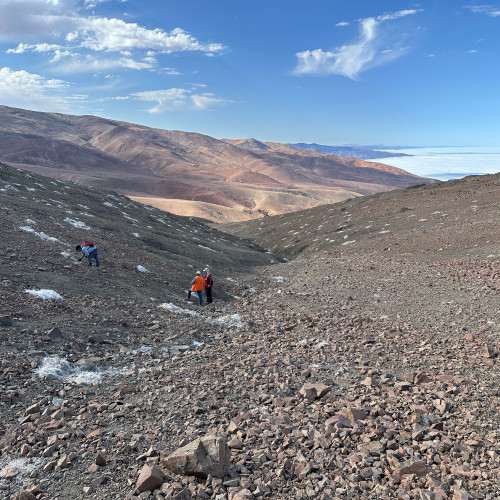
[489, 10]
[114, 34]
[39, 47]
[177, 99]
[56, 27]
[341, 24]
[29, 90]
[368, 51]
[69, 63]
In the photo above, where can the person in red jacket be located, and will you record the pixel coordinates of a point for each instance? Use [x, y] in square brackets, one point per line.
[197, 286]
[208, 283]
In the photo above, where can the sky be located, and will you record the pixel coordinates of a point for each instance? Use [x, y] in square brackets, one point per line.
[326, 71]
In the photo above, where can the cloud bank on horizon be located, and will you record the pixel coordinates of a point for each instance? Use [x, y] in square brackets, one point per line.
[233, 70]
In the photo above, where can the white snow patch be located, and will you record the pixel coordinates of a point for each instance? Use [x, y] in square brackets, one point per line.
[137, 235]
[41, 235]
[231, 320]
[321, 344]
[349, 242]
[142, 269]
[177, 310]
[83, 206]
[20, 467]
[206, 248]
[77, 223]
[108, 204]
[45, 294]
[55, 367]
[279, 279]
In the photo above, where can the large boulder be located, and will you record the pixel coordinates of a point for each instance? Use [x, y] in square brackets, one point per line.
[150, 479]
[201, 457]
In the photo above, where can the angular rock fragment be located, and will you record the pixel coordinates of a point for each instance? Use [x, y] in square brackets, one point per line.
[149, 479]
[419, 468]
[201, 457]
[314, 391]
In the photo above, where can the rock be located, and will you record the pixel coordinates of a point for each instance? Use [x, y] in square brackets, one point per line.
[314, 391]
[419, 468]
[54, 333]
[150, 478]
[184, 494]
[488, 352]
[32, 409]
[235, 443]
[5, 321]
[23, 495]
[354, 414]
[244, 494]
[201, 457]
[100, 458]
[126, 389]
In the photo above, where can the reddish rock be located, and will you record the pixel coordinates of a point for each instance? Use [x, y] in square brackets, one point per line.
[314, 391]
[150, 478]
[201, 457]
[419, 468]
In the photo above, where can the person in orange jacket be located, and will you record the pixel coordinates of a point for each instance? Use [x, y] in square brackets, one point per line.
[197, 286]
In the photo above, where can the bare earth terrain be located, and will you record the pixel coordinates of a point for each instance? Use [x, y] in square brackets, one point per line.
[216, 180]
[365, 367]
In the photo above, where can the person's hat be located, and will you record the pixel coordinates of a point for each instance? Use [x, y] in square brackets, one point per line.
[206, 270]
[198, 272]
[78, 247]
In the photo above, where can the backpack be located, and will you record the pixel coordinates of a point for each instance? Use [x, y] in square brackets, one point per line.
[87, 244]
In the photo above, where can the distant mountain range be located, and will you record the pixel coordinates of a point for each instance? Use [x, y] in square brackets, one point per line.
[349, 151]
[188, 173]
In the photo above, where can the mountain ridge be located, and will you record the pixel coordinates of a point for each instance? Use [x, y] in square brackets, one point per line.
[162, 165]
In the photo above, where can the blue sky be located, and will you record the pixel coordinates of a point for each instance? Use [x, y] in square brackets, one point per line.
[325, 71]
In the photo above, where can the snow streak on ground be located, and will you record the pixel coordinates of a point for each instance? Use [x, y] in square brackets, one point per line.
[41, 235]
[19, 467]
[55, 367]
[229, 321]
[177, 310]
[45, 294]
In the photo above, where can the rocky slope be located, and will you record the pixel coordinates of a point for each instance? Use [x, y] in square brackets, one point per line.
[355, 371]
[222, 182]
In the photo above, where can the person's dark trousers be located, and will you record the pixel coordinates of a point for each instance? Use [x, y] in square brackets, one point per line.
[208, 293]
[93, 255]
[200, 296]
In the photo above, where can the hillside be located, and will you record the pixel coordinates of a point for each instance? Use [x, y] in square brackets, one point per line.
[366, 367]
[222, 182]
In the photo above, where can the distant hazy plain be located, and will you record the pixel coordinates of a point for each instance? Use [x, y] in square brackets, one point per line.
[446, 163]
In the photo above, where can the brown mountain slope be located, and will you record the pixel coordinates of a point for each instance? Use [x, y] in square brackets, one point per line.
[459, 217]
[251, 178]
